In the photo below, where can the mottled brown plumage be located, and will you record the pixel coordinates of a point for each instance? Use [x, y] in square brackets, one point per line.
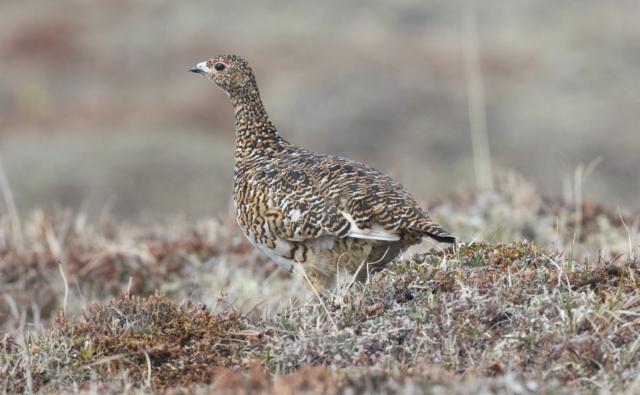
[313, 214]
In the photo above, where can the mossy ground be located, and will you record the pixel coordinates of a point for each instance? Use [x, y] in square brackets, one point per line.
[558, 315]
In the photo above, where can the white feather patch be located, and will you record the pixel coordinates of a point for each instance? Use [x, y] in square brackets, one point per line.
[294, 215]
[376, 232]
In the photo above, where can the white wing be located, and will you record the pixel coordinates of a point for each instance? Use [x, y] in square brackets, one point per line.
[376, 232]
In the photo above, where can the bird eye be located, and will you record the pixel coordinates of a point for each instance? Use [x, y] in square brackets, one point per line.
[219, 66]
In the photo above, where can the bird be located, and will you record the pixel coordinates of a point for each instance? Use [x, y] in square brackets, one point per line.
[317, 216]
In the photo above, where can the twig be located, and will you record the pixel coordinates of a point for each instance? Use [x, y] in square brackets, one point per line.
[335, 327]
[129, 286]
[595, 383]
[75, 278]
[66, 288]
[11, 209]
[109, 359]
[628, 234]
[475, 98]
[148, 385]
[577, 186]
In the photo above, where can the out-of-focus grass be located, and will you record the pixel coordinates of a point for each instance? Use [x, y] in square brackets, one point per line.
[375, 81]
[529, 316]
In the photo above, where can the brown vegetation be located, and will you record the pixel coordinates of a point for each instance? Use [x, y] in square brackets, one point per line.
[514, 317]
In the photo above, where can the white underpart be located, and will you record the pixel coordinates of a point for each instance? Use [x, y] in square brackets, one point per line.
[282, 247]
[323, 242]
[283, 262]
[376, 232]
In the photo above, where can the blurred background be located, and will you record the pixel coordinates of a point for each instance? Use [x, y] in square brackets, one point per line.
[98, 111]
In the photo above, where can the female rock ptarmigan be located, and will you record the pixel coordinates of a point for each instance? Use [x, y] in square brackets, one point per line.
[312, 214]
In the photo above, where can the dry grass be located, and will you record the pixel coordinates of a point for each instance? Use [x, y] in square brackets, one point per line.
[554, 316]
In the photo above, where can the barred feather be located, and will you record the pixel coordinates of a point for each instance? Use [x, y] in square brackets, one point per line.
[307, 211]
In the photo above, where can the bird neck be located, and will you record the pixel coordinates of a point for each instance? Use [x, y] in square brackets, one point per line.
[254, 130]
[252, 121]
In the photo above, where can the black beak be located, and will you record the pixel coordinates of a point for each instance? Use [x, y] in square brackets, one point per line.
[195, 69]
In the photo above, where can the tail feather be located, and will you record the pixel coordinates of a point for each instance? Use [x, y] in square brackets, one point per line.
[450, 239]
[438, 234]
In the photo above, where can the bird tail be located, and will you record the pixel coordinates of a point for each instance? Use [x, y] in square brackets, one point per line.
[437, 233]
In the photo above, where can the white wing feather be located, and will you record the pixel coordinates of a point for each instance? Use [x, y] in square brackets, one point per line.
[376, 232]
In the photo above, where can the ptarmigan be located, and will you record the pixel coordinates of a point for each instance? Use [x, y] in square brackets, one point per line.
[315, 215]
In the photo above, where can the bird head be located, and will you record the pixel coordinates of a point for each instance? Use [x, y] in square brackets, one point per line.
[229, 72]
